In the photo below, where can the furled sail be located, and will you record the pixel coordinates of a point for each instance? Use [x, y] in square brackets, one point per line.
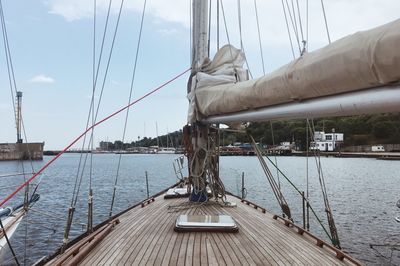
[225, 68]
[363, 60]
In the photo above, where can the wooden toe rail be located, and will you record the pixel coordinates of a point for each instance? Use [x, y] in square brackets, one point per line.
[147, 201]
[78, 252]
[320, 243]
[255, 206]
[11, 223]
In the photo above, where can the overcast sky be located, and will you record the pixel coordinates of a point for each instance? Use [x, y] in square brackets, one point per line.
[52, 45]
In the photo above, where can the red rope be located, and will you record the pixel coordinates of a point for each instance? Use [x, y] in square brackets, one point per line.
[80, 136]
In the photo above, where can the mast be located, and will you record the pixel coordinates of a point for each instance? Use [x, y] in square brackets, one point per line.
[200, 34]
[199, 130]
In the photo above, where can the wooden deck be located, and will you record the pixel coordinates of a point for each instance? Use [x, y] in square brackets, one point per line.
[146, 236]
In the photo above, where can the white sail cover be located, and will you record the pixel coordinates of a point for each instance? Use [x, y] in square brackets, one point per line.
[225, 68]
[359, 61]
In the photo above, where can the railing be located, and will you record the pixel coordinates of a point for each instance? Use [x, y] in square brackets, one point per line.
[320, 243]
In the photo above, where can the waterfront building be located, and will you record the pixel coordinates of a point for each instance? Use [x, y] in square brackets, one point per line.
[327, 141]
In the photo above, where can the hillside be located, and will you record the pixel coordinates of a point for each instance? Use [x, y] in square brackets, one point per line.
[358, 130]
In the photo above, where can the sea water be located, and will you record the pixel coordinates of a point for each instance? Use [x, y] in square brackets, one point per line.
[362, 194]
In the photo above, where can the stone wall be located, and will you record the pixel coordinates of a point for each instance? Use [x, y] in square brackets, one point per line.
[21, 151]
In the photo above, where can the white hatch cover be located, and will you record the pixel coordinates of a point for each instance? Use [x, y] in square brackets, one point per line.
[205, 223]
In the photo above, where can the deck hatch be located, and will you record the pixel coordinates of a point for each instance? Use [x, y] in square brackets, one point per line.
[176, 193]
[205, 223]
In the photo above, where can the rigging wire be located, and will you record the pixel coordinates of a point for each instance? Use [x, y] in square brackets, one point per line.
[191, 55]
[294, 24]
[26, 238]
[99, 102]
[276, 160]
[129, 101]
[76, 189]
[209, 29]
[12, 79]
[331, 222]
[92, 102]
[294, 18]
[16, 174]
[274, 186]
[299, 16]
[13, 84]
[240, 35]
[307, 9]
[307, 177]
[288, 29]
[259, 36]
[90, 196]
[19, 119]
[300, 193]
[240, 25]
[6, 199]
[102, 87]
[326, 21]
[10, 71]
[217, 25]
[226, 27]
[304, 42]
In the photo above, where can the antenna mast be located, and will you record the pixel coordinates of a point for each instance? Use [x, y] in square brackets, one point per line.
[18, 116]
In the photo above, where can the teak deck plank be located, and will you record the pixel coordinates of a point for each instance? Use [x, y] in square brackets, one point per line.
[271, 243]
[197, 249]
[110, 246]
[203, 250]
[145, 236]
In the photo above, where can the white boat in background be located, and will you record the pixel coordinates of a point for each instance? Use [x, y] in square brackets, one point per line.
[11, 218]
[10, 224]
[168, 150]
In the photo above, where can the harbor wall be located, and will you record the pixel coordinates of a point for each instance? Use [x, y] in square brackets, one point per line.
[367, 148]
[21, 151]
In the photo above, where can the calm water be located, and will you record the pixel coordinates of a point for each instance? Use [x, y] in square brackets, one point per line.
[362, 192]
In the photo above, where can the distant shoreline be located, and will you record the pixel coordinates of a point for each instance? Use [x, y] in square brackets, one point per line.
[379, 155]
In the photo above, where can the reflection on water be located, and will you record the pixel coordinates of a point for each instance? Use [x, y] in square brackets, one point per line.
[362, 193]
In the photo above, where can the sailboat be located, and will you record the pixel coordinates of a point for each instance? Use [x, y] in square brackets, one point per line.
[201, 223]
[167, 150]
[11, 217]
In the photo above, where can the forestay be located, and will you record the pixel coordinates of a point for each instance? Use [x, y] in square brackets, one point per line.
[363, 60]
